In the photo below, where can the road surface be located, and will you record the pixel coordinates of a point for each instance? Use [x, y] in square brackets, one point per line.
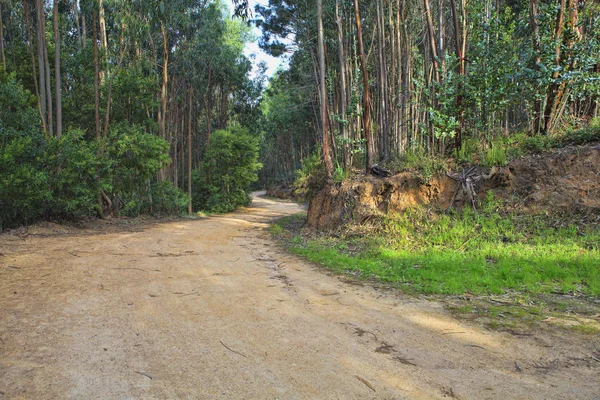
[213, 309]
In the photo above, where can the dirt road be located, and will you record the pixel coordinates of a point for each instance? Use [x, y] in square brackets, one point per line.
[211, 309]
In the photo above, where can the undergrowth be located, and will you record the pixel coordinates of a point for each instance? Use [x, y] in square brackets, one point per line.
[463, 252]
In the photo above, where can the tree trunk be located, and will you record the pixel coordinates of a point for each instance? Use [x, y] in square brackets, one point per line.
[33, 67]
[96, 74]
[366, 101]
[342, 86]
[165, 79]
[103, 40]
[189, 150]
[323, 89]
[460, 56]
[112, 79]
[2, 39]
[50, 115]
[537, 103]
[432, 42]
[77, 25]
[57, 80]
[40, 56]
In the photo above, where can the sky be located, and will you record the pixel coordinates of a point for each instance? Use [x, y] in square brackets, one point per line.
[252, 48]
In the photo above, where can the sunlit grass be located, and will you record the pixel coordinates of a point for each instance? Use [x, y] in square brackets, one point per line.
[479, 253]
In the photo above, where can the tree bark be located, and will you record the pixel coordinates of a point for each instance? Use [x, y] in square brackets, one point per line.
[537, 104]
[189, 150]
[2, 39]
[57, 78]
[33, 67]
[323, 89]
[460, 56]
[77, 25]
[112, 79]
[50, 116]
[366, 101]
[165, 80]
[40, 56]
[96, 74]
[342, 86]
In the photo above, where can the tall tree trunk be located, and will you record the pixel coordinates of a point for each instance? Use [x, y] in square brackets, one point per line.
[112, 79]
[189, 150]
[323, 89]
[555, 108]
[83, 31]
[165, 80]
[103, 40]
[554, 86]
[50, 115]
[537, 103]
[57, 80]
[33, 66]
[460, 56]
[432, 42]
[383, 84]
[2, 39]
[75, 6]
[40, 56]
[366, 101]
[342, 88]
[96, 74]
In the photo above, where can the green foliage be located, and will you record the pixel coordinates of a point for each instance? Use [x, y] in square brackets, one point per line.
[483, 253]
[71, 164]
[133, 158]
[229, 168]
[311, 177]
[23, 184]
[419, 160]
[495, 156]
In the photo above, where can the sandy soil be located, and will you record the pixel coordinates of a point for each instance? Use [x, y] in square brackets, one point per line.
[212, 309]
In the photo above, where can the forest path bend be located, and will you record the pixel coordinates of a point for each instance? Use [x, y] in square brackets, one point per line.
[212, 309]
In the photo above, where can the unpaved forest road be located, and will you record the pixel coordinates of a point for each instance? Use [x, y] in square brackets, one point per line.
[210, 309]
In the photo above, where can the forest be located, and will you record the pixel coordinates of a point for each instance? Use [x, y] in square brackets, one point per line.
[124, 108]
[130, 107]
[410, 83]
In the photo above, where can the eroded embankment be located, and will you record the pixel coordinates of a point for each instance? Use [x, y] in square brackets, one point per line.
[564, 179]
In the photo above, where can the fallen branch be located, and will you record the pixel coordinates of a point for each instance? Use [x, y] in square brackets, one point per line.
[233, 351]
[137, 269]
[144, 374]
[366, 382]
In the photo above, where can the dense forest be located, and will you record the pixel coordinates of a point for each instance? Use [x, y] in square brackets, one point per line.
[417, 81]
[124, 107]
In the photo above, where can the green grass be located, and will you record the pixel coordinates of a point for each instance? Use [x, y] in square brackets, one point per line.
[483, 254]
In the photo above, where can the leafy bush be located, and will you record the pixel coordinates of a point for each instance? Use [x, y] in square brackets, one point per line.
[229, 168]
[23, 184]
[71, 164]
[311, 177]
[133, 158]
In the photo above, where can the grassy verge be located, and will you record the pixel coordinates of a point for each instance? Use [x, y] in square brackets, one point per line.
[492, 266]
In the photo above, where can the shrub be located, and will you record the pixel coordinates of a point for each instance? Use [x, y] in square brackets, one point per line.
[229, 168]
[24, 186]
[71, 164]
[311, 177]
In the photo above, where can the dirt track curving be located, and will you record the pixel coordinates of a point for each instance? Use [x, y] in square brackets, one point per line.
[211, 309]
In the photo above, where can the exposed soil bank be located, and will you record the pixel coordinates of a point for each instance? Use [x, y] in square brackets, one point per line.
[564, 179]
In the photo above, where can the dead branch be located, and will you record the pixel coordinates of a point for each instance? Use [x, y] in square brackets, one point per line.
[233, 351]
[144, 374]
[366, 382]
